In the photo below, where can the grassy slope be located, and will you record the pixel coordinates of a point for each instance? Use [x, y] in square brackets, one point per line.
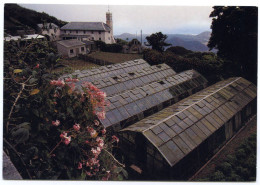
[115, 57]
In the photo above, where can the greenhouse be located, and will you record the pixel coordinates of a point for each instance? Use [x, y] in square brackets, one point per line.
[126, 81]
[109, 70]
[128, 107]
[174, 142]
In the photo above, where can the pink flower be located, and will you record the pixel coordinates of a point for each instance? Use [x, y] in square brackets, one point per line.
[76, 127]
[55, 103]
[100, 142]
[37, 66]
[114, 138]
[101, 115]
[93, 133]
[87, 142]
[59, 83]
[71, 80]
[101, 94]
[67, 140]
[56, 123]
[63, 134]
[88, 173]
[79, 165]
[96, 122]
[103, 131]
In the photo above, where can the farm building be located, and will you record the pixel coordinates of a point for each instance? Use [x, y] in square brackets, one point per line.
[169, 123]
[133, 47]
[172, 143]
[133, 105]
[71, 48]
[50, 29]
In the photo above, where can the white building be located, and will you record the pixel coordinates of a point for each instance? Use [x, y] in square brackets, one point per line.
[86, 31]
[71, 48]
[50, 29]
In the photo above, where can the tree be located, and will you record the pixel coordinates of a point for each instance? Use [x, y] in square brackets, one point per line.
[234, 35]
[157, 41]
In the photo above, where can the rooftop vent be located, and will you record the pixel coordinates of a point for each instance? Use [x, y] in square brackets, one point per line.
[161, 82]
[131, 74]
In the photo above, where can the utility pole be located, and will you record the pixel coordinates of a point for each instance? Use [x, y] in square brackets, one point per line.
[141, 38]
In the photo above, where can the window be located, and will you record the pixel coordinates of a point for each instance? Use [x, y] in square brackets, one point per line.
[99, 32]
[70, 31]
[82, 48]
[77, 31]
[108, 38]
[92, 38]
[108, 31]
[64, 31]
[71, 51]
[84, 32]
[92, 32]
[99, 39]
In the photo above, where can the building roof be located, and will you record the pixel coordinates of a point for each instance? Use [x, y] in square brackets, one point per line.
[88, 26]
[109, 70]
[47, 26]
[179, 129]
[122, 82]
[70, 43]
[133, 103]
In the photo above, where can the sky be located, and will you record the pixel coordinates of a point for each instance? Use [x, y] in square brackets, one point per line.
[168, 19]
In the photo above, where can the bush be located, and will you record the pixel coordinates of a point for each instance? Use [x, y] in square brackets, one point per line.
[178, 50]
[225, 167]
[51, 126]
[114, 48]
[217, 176]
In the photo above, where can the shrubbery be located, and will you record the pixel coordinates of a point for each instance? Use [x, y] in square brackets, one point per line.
[208, 64]
[114, 48]
[238, 167]
[51, 127]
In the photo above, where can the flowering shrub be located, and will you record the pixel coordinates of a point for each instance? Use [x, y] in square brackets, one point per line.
[51, 127]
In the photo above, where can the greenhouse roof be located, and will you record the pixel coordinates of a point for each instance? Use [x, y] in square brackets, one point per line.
[134, 102]
[126, 81]
[177, 130]
[108, 70]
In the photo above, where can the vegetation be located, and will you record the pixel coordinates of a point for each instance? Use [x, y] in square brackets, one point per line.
[18, 18]
[208, 64]
[115, 57]
[238, 167]
[157, 41]
[114, 48]
[51, 129]
[234, 35]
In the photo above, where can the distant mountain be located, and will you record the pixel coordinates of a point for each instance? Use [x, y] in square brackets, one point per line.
[191, 42]
[18, 18]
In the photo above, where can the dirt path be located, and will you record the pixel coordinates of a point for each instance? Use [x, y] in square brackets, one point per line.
[230, 148]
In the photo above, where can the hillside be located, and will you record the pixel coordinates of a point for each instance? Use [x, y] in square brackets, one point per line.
[191, 42]
[17, 18]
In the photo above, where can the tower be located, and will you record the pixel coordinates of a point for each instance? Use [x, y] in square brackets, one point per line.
[109, 20]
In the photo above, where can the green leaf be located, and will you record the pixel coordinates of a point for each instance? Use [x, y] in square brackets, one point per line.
[83, 175]
[120, 177]
[32, 80]
[125, 173]
[18, 71]
[118, 169]
[20, 135]
[34, 91]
